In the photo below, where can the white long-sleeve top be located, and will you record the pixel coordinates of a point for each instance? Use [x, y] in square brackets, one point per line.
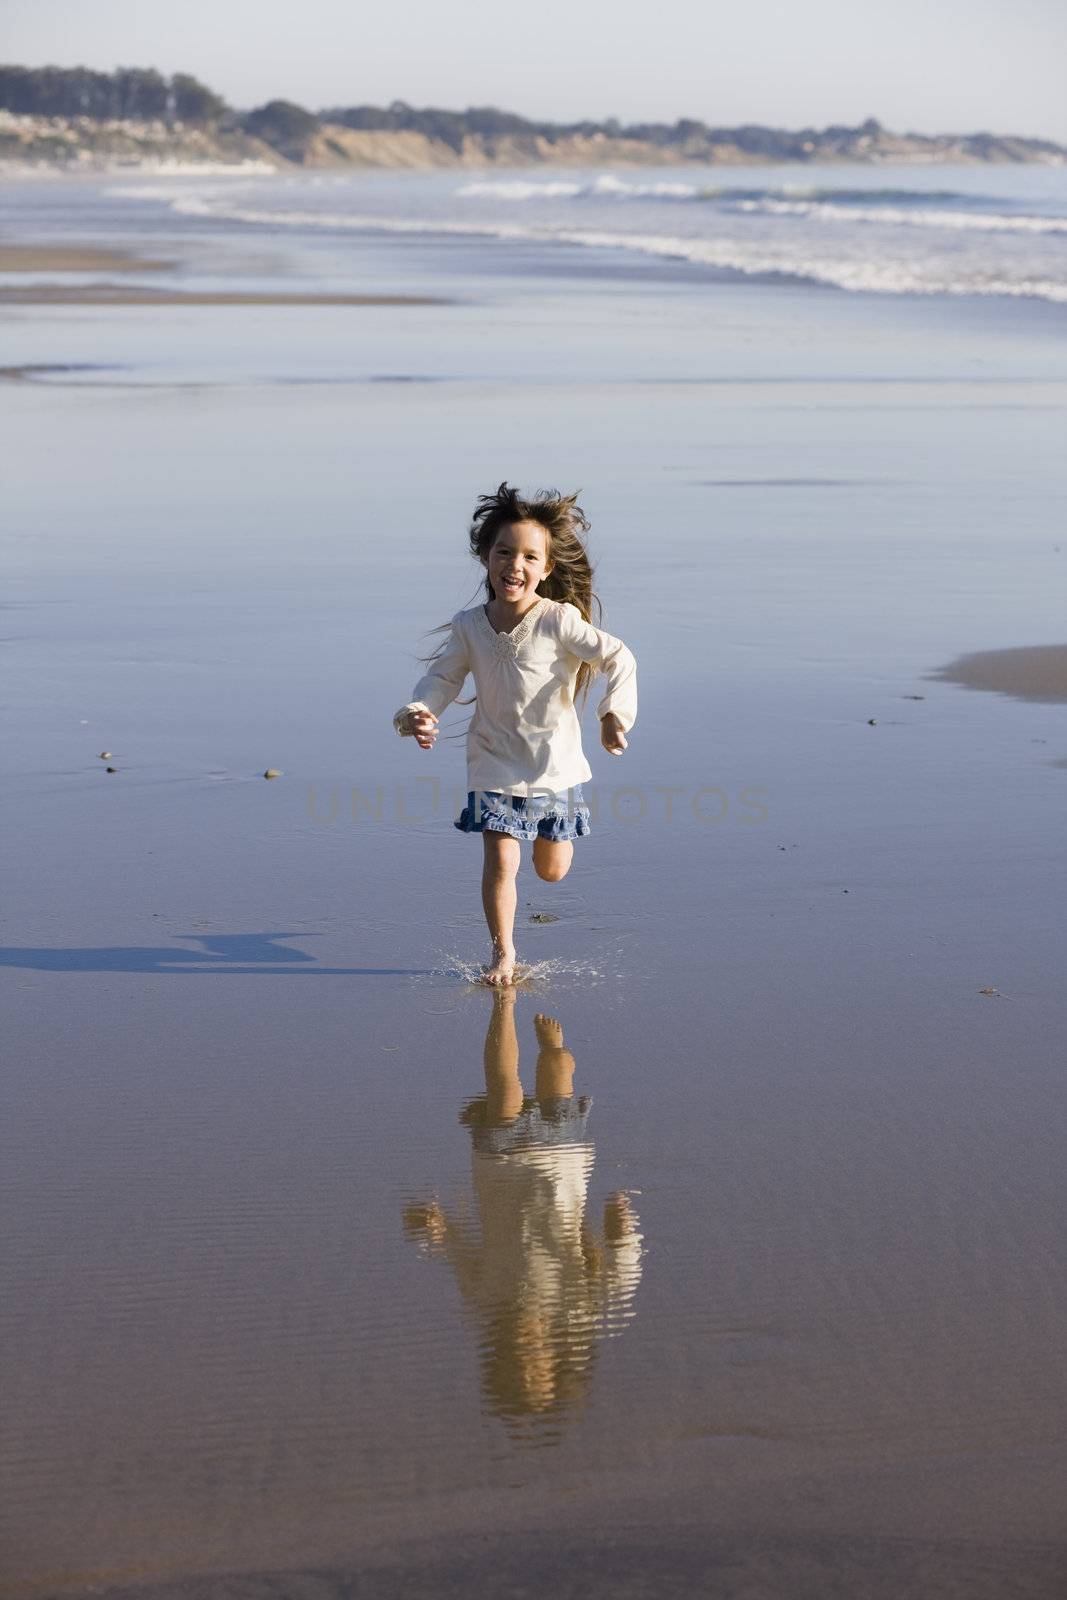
[524, 737]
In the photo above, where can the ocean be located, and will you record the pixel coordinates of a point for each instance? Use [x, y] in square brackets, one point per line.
[887, 230]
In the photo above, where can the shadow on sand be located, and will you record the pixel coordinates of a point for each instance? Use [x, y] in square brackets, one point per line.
[232, 954]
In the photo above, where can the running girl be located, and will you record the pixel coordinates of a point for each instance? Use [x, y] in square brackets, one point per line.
[531, 649]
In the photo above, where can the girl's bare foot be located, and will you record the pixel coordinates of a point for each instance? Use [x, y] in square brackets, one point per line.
[549, 1031]
[502, 969]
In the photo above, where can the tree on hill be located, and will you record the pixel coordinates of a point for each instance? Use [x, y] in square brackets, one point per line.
[140, 93]
[193, 101]
[285, 126]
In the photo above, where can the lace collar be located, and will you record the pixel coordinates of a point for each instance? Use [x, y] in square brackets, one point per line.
[507, 644]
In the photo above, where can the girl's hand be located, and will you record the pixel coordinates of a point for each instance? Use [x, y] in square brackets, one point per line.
[611, 735]
[423, 725]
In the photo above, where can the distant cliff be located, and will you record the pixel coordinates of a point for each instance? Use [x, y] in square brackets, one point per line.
[76, 119]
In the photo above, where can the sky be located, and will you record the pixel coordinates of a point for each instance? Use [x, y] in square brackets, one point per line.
[932, 66]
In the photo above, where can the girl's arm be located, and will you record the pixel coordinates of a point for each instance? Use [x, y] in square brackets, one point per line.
[609, 656]
[441, 682]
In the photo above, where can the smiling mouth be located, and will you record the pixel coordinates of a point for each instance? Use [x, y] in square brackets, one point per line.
[511, 583]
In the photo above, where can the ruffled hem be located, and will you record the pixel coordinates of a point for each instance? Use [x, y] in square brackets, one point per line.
[557, 825]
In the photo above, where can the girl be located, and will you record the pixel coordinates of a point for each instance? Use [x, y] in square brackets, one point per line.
[531, 649]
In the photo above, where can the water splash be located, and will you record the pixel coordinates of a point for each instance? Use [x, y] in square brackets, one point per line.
[531, 977]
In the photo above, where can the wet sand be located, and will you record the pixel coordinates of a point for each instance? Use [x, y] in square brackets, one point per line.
[315, 1281]
[1032, 672]
[48, 371]
[81, 258]
[25, 258]
[107, 294]
[664, 1561]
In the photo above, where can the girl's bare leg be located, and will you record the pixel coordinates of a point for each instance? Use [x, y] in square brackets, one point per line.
[503, 1088]
[499, 898]
[552, 861]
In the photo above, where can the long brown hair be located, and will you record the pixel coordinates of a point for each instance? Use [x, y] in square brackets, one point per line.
[565, 525]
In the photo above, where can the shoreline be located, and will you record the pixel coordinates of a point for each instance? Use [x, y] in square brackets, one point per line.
[113, 294]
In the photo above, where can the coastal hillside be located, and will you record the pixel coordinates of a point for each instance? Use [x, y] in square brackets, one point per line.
[76, 119]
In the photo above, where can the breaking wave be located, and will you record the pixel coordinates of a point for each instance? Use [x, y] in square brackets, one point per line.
[892, 207]
[766, 260]
[896, 216]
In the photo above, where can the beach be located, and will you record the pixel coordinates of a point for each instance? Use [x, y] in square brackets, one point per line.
[788, 1322]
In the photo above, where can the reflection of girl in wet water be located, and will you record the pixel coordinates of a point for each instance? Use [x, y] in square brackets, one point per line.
[544, 1286]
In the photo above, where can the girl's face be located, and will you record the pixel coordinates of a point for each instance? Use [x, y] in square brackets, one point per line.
[518, 560]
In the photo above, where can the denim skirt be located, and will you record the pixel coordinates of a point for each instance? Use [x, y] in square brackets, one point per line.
[557, 817]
